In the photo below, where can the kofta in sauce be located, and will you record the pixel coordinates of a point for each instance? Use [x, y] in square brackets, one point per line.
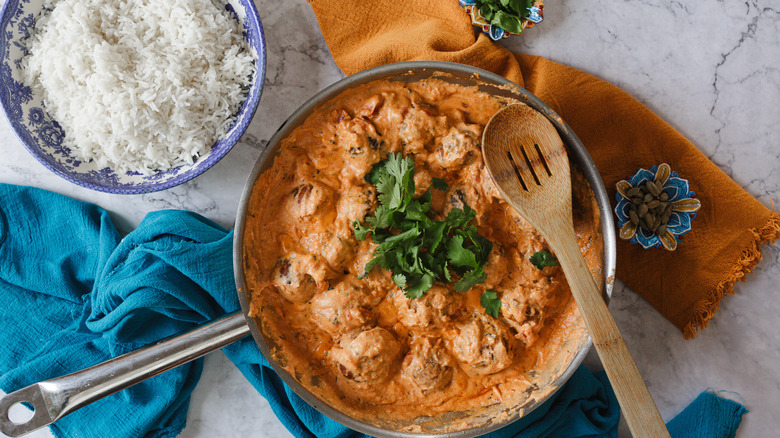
[357, 341]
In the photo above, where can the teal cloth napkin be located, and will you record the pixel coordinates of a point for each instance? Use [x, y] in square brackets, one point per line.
[75, 293]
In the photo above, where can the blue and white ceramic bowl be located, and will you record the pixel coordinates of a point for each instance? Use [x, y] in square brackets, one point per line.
[684, 208]
[43, 136]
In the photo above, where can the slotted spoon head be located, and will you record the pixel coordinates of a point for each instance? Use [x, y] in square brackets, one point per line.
[528, 162]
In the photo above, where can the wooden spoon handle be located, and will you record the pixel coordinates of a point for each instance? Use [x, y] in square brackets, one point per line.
[638, 407]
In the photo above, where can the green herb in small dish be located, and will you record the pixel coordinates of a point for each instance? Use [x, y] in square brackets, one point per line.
[506, 14]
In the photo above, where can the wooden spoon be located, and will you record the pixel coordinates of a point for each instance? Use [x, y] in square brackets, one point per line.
[528, 162]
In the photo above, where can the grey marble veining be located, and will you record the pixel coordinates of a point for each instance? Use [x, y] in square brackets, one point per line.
[710, 68]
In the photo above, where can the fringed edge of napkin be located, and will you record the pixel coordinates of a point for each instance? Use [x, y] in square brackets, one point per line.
[705, 308]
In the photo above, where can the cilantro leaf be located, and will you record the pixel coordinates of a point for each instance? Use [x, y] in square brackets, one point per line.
[416, 210]
[458, 255]
[382, 217]
[542, 259]
[361, 231]
[491, 302]
[418, 286]
[372, 177]
[470, 279]
[481, 246]
[434, 234]
[447, 275]
[439, 184]
[400, 280]
[457, 218]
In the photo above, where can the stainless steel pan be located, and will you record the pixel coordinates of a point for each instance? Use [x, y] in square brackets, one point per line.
[53, 399]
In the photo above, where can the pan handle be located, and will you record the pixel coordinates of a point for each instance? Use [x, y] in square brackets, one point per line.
[55, 398]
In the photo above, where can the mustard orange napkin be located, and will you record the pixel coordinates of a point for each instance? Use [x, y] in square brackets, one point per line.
[622, 135]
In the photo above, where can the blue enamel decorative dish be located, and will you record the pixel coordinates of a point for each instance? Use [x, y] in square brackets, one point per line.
[533, 15]
[682, 202]
[43, 136]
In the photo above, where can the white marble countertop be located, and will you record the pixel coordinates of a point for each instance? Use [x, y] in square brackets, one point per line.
[710, 68]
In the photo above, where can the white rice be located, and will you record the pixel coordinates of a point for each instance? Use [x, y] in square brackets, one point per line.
[140, 85]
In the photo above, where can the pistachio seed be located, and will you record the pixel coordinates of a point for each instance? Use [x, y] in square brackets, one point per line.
[652, 188]
[637, 201]
[642, 209]
[648, 197]
[661, 230]
[664, 197]
[634, 218]
[632, 191]
[653, 204]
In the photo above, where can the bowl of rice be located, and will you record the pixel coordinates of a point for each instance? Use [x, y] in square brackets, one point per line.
[130, 96]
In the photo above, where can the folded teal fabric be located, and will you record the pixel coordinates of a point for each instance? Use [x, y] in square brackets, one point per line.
[709, 416]
[75, 293]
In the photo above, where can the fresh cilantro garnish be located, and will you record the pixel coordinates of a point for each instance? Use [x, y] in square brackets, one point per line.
[491, 302]
[415, 248]
[542, 259]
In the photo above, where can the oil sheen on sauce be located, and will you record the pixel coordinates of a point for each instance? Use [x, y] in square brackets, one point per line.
[360, 344]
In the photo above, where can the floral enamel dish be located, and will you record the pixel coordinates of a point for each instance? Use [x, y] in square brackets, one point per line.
[503, 25]
[679, 200]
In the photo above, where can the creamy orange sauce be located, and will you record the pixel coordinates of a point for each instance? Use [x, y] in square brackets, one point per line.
[360, 344]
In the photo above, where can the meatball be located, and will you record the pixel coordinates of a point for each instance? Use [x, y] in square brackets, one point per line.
[437, 305]
[345, 308]
[369, 356]
[362, 143]
[456, 148]
[460, 196]
[371, 106]
[523, 311]
[418, 128]
[525, 274]
[496, 267]
[335, 250]
[483, 345]
[298, 277]
[355, 203]
[428, 365]
[308, 198]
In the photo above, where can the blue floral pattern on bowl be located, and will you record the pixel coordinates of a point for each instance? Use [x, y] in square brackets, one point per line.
[43, 136]
[535, 16]
[684, 208]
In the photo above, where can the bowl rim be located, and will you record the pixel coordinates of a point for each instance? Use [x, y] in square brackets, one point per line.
[252, 102]
[265, 161]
